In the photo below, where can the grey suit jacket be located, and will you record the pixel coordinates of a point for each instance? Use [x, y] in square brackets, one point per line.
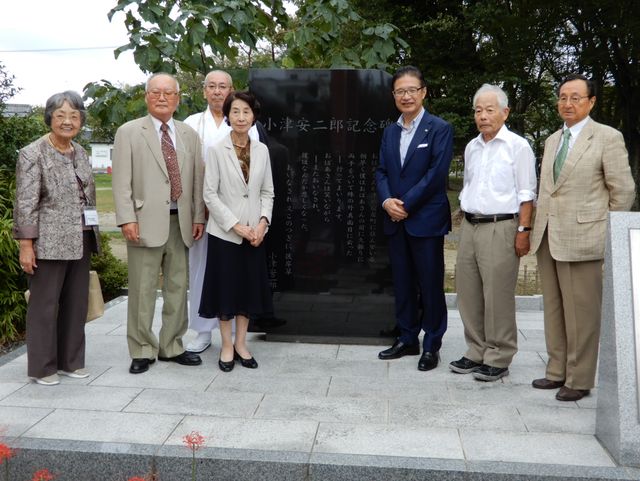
[48, 206]
[594, 179]
[229, 198]
[141, 188]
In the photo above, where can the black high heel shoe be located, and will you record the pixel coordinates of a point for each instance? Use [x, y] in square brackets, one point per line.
[226, 366]
[250, 363]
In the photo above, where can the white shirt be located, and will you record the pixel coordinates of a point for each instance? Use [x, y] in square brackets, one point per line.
[499, 175]
[407, 133]
[210, 133]
[157, 123]
[575, 131]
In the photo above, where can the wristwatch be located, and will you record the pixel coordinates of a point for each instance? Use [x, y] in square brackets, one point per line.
[522, 228]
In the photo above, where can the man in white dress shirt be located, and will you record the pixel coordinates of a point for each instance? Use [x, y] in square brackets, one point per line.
[497, 201]
[211, 127]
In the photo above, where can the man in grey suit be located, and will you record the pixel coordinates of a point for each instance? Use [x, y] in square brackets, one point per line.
[157, 189]
[585, 174]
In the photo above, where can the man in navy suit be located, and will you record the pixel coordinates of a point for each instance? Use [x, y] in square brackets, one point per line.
[411, 181]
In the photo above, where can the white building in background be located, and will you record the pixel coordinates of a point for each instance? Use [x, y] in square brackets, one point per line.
[101, 156]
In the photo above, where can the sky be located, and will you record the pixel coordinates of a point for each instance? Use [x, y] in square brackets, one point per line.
[32, 31]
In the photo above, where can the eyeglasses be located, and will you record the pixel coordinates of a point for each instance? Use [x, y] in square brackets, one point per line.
[213, 86]
[412, 91]
[573, 100]
[156, 94]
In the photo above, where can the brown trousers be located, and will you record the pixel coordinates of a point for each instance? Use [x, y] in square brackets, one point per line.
[57, 313]
[572, 293]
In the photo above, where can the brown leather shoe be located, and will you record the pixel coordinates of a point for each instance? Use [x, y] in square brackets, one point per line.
[567, 394]
[545, 383]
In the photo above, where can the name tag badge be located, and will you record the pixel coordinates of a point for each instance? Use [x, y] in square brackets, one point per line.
[90, 216]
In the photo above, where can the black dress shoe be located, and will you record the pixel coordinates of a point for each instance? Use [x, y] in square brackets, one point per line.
[398, 350]
[250, 363]
[140, 365]
[226, 366]
[186, 359]
[428, 361]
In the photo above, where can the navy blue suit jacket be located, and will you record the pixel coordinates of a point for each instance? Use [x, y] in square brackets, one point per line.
[421, 183]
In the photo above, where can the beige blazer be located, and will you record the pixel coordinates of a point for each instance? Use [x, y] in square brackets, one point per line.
[594, 179]
[141, 188]
[229, 198]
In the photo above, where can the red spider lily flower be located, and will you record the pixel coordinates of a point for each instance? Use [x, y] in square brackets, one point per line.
[42, 475]
[5, 453]
[194, 440]
[136, 478]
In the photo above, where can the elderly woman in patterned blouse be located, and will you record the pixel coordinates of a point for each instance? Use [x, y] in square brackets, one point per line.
[55, 221]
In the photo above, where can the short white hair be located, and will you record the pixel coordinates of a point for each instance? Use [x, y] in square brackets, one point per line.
[159, 74]
[206, 78]
[503, 100]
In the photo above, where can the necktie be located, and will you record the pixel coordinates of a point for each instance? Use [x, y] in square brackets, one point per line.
[562, 154]
[171, 159]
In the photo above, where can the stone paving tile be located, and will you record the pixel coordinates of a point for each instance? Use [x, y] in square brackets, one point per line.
[270, 384]
[228, 432]
[14, 371]
[550, 419]
[297, 351]
[16, 420]
[107, 350]
[165, 401]
[545, 448]
[359, 353]
[500, 394]
[69, 396]
[338, 410]
[388, 440]
[417, 412]
[8, 388]
[107, 427]
[161, 375]
[322, 367]
[425, 391]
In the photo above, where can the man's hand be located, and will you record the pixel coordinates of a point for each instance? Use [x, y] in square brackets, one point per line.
[197, 231]
[131, 231]
[395, 209]
[522, 244]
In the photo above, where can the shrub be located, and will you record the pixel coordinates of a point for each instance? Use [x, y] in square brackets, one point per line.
[111, 270]
[13, 283]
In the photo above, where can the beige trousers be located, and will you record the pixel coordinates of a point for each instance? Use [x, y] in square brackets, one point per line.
[572, 293]
[486, 276]
[145, 265]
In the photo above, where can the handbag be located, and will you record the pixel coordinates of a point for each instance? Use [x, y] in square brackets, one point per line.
[96, 301]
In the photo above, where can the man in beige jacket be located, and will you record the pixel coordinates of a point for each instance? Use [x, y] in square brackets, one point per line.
[585, 174]
[157, 189]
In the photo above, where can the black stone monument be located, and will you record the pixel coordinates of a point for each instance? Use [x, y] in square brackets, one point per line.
[328, 261]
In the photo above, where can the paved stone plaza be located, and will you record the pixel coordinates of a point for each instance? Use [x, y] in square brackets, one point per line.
[310, 412]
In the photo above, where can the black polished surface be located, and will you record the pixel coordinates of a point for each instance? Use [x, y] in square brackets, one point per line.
[325, 242]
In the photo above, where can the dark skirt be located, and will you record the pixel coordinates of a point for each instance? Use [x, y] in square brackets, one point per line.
[236, 281]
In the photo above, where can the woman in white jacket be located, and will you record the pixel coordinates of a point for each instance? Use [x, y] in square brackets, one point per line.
[238, 191]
